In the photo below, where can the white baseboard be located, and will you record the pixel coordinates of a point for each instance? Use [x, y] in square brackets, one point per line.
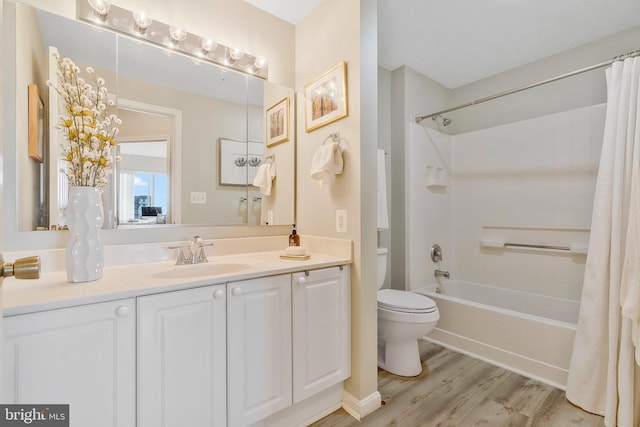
[359, 409]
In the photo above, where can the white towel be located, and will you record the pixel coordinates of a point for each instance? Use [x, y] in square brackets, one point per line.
[383, 214]
[264, 177]
[327, 162]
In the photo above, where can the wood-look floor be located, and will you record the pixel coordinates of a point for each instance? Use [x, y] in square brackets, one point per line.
[457, 390]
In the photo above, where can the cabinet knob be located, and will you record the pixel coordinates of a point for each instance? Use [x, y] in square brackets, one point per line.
[301, 281]
[122, 311]
[219, 294]
[236, 291]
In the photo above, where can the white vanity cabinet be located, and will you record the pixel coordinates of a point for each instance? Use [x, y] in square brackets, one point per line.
[182, 358]
[321, 330]
[259, 348]
[269, 351]
[82, 356]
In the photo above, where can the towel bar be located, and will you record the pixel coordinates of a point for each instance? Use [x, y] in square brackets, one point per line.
[531, 246]
[573, 248]
[335, 137]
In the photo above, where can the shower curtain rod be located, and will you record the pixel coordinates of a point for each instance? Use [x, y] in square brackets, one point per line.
[520, 89]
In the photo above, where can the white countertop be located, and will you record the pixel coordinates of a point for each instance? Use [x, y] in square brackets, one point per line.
[52, 291]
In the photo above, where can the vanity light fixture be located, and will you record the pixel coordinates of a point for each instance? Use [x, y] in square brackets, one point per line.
[142, 22]
[140, 26]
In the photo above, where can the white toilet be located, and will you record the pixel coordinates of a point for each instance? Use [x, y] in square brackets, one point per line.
[403, 317]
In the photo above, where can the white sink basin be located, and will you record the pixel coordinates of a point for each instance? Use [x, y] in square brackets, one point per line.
[198, 270]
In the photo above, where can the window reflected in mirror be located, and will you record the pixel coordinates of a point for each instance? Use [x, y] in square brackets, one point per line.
[143, 181]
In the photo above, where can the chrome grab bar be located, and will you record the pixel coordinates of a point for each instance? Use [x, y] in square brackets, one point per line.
[531, 246]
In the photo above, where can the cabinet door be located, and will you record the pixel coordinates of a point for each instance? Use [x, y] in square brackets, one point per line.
[82, 356]
[182, 358]
[259, 352]
[321, 330]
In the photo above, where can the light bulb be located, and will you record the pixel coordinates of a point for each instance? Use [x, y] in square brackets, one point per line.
[260, 62]
[177, 34]
[142, 21]
[100, 8]
[235, 54]
[208, 45]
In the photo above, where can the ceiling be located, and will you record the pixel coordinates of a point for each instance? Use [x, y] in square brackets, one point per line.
[456, 42]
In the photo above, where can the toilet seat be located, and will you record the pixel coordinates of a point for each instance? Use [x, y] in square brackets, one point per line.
[405, 302]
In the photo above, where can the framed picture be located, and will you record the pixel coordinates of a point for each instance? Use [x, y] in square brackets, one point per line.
[36, 124]
[325, 98]
[238, 161]
[278, 123]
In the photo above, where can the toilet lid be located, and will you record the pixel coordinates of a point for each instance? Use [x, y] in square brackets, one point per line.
[406, 302]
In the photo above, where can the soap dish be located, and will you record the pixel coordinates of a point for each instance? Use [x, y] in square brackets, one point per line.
[295, 250]
[298, 257]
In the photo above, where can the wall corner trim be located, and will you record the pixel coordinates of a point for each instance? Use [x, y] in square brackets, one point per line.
[359, 409]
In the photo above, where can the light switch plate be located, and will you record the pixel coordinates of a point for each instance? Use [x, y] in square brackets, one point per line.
[341, 221]
[198, 198]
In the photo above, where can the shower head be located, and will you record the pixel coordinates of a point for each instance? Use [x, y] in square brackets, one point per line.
[445, 121]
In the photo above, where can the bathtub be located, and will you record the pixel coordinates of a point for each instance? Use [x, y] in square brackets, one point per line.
[526, 333]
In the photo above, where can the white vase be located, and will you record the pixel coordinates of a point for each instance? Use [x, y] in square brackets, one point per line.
[84, 256]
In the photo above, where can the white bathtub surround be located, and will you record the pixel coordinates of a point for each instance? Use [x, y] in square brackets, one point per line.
[429, 207]
[603, 377]
[508, 328]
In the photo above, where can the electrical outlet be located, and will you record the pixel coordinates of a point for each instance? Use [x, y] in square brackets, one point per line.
[198, 198]
[341, 221]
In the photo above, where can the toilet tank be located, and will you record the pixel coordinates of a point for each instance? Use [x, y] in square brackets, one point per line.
[382, 266]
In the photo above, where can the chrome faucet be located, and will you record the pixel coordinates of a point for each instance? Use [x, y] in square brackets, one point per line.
[441, 273]
[196, 252]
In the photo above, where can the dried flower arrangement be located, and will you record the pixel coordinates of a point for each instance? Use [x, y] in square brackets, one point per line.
[90, 131]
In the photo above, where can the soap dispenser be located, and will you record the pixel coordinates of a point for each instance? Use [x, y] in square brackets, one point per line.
[294, 238]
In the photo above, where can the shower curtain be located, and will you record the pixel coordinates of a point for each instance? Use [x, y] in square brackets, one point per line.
[604, 375]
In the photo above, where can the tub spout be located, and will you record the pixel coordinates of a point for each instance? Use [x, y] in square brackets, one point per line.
[441, 273]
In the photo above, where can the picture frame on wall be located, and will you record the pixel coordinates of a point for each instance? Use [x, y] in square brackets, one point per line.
[326, 98]
[36, 124]
[238, 161]
[277, 121]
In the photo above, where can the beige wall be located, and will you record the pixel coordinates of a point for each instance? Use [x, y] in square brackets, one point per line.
[281, 201]
[328, 35]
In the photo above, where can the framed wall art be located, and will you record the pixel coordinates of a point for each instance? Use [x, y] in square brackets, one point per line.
[238, 161]
[36, 124]
[325, 98]
[277, 121]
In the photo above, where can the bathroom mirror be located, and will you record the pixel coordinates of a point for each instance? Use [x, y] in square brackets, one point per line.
[175, 109]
